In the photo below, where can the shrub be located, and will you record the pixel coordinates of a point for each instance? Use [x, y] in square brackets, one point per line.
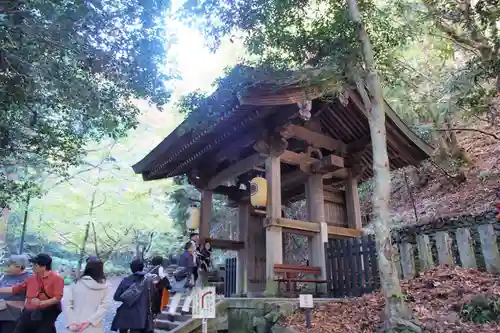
[481, 310]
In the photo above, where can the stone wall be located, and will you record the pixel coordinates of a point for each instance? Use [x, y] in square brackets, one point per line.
[406, 234]
[410, 240]
[259, 315]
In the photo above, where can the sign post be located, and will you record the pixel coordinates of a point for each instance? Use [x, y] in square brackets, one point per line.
[204, 305]
[306, 302]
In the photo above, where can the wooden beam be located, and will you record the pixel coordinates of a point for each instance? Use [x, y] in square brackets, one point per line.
[335, 197]
[293, 178]
[274, 236]
[315, 202]
[283, 96]
[313, 227]
[236, 169]
[232, 192]
[339, 174]
[232, 152]
[226, 244]
[277, 144]
[293, 158]
[344, 232]
[206, 215]
[317, 140]
[352, 201]
[328, 164]
[310, 164]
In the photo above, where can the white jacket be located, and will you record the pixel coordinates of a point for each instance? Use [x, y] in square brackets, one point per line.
[87, 300]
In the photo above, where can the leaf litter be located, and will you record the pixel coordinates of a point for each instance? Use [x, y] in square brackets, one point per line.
[436, 297]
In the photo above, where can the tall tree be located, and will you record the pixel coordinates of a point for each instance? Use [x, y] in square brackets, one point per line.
[69, 72]
[397, 313]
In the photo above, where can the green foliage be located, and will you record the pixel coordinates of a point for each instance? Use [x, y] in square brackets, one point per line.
[69, 72]
[481, 310]
[224, 219]
[473, 28]
[125, 214]
[291, 34]
[179, 200]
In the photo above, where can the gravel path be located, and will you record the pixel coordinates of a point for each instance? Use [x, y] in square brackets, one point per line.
[108, 318]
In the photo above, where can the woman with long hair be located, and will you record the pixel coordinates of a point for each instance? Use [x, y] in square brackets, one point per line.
[161, 294]
[86, 301]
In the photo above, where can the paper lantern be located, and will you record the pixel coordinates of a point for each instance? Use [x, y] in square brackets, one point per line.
[193, 221]
[258, 192]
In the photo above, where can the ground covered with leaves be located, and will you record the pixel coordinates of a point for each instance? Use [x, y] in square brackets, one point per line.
[441, 300]
[442, 197]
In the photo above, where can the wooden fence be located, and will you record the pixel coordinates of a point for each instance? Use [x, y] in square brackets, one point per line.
[230, 277]
[351, 266]
[352, 263]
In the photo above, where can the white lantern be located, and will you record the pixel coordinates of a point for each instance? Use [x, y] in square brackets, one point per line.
[258, 192]
[193, 221]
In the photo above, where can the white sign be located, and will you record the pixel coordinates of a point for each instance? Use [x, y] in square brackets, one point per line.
[306, 301]
[204, 303]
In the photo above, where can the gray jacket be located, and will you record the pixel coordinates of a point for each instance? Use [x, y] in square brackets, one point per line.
[12, 313]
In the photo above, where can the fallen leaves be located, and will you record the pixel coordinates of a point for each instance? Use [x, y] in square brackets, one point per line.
[435, 297]
[440, 198]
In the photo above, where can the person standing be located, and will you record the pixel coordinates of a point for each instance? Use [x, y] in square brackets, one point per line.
[11, 305]
[87, 301]
[194, 239]
[161, 294]
[44, 291]
[184, 280]
[136, 317]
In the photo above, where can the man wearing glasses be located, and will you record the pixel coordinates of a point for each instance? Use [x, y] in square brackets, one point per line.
[11, 305]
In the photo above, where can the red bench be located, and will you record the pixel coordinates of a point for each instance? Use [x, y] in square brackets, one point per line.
[297, 273]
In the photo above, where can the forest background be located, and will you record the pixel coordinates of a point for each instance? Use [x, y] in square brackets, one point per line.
[87, 89]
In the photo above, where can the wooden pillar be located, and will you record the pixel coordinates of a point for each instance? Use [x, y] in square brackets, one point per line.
[242, 257]
[352, 201]
[274, 235]
[206, 215]
[316, 210]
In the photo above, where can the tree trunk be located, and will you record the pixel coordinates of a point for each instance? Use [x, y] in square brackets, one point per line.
[397, 313]
[86, 235]
[82, 249]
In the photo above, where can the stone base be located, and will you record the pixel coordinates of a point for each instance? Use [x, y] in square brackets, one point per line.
[259, 315]
[272, 288]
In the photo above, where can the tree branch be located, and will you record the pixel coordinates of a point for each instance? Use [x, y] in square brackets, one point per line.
[469, 130]
[78, 247]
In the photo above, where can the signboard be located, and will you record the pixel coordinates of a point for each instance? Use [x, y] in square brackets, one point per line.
[204, 303]
[306, 301]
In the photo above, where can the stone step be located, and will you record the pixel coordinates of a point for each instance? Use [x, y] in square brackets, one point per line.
[167, 325]
[177, 316]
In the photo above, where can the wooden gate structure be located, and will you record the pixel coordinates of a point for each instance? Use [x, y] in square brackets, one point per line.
[351, 266]
[308, 143]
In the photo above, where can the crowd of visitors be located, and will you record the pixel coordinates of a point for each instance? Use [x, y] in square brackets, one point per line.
[31, 302]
